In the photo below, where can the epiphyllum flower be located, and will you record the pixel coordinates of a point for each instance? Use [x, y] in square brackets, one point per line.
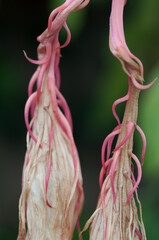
[52, 194]
[116, 215]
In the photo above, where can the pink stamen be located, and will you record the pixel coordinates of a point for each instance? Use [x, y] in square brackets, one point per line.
[44, 60]
[129, 128]
[120, 100]
[143, 142]
[102, 172]
[63, 104]
[138, 178]
[140, 86]
[68, 36]
[113, 166]
[109, 146]
[26, 115]
[55, 12]
[40, 79]
[32, 81]
[109, 137]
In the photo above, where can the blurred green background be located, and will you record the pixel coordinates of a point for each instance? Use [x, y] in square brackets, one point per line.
[92, 79]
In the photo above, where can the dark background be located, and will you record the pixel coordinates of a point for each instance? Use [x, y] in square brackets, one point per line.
[92, 79]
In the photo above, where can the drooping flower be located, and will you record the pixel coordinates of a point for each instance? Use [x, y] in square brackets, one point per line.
[52, 193]
[116, 214]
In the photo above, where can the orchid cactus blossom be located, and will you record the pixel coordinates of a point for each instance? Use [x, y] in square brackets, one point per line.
[52, 193]
[116, 215]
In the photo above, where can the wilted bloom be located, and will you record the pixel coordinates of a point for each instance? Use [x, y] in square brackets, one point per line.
[52, 193]
[116, 214]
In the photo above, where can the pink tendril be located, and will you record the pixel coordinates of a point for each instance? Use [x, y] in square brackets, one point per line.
[62, 102]
[113, 166]
[32, 81]
[40, 79]
[144, 143]
[102, 172]
[107, 139]
[68, 36]
[120, 100]
[138, 178]
[140, 86]
[26, 114]
[129, 128]
[109, 146]
[44, 60]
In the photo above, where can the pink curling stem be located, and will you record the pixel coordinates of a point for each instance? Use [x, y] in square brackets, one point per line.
[63, 104]
[54, 12]
[26, 115]
[138, 179]
[105, 144]
[30, 88]
[140, 86]
[32, 81]
[49, 164]
[56, 68]
[102, 172]
[68, 36]
[40, 79]
[113, 166]
[109, 146]
[144, 143]
[69, 135]
[129, 128]
[44, 60]
[120, 100]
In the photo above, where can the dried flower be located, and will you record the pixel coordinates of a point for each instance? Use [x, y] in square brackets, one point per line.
[116, 213]
[52, 194]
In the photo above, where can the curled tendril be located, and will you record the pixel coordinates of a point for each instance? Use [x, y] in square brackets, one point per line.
[138, 178]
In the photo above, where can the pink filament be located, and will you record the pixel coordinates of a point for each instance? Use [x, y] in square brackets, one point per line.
[120, 100]
[68, 36]
[63, 104]
[144, 143]
[26, 114]
[129, 128]
[40, 79]
[113, 166]
[107, 139]
[138, 178]
[44, 60]
[102, 172]
[140, 86]
[32, 81]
